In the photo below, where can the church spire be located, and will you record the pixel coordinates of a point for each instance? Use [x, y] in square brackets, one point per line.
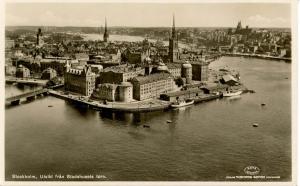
[173, 27]
[105, 35]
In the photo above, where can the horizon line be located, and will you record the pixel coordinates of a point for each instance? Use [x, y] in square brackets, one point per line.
[140, 26]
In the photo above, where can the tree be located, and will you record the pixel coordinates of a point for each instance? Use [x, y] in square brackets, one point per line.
[179, 81]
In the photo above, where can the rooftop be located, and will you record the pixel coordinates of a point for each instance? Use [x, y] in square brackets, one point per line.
[151, 78]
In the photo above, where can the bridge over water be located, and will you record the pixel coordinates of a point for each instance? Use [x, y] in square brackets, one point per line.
[15, 100]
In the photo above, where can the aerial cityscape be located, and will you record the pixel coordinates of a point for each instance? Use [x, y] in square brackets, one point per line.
[133, 100]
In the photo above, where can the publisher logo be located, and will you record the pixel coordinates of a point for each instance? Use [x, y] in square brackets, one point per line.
[251, 170]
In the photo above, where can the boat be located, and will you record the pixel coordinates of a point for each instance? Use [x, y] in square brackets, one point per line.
[255, 124]
[50, 105]
[182, 103]
[231, 93]
[169, 121]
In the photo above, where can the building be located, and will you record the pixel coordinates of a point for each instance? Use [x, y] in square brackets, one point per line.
[81, 81]
[105, 35]
[114, 92]
[22, 72]
[39, 39]
[137, 56]
[187, 72]
[199, 71]
[125, 92]
[173, 44]
[119, 74]
[57, 64]
[145, 87]
[174, 69]
[49, 73]
[106, 92]
[97, 69]
[182, 95]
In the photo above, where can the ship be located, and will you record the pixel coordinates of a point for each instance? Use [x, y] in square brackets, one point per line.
[182, 103]
[232, 93]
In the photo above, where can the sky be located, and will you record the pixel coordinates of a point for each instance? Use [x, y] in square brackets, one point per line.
[148, 14]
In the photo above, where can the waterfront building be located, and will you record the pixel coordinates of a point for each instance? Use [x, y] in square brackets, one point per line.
[81, 81]
[114, 92]
[173, 44]
[125, 90]
[182, 95]
[145, 87]
[187, 72]
[49, 73]
[22, 72]
[105, 91]
[229, 80]
[119, 74]
[199, 71]
[105, 35]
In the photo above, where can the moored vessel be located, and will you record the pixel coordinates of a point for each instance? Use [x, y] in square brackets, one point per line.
[182, 103]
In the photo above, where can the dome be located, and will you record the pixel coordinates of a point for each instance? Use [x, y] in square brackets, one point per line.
[162, 67]
[186, 65]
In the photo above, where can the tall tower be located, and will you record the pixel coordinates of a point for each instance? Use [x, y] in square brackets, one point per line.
[105, 35]
[173, 44]
[39, 37]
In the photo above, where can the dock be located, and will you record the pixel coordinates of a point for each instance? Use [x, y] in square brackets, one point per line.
[138, 106]
[207, 97]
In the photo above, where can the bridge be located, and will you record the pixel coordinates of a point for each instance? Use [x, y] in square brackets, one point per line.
[15, 100]
[26, 81]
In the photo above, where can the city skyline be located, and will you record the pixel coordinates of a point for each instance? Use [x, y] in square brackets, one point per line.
[153, 14]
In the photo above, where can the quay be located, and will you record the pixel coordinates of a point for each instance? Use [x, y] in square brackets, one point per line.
[258, 56]
[207, 97]
[138, 106]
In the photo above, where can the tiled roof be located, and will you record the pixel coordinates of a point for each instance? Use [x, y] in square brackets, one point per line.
[151, 78]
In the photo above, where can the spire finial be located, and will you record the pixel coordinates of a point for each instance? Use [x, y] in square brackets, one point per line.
[173, 20]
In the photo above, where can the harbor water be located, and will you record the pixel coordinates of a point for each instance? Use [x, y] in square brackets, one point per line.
[205, 142]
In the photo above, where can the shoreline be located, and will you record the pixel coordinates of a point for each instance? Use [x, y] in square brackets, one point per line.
[139, 106]
[288, 60]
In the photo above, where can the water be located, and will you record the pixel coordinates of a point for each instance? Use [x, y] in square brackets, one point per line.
[205, 142]
[128, 38]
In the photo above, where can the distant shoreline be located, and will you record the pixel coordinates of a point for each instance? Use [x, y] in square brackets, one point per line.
[260, 56]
